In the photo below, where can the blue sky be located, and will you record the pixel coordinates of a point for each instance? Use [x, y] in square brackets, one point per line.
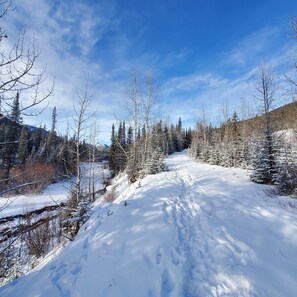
[202, 53]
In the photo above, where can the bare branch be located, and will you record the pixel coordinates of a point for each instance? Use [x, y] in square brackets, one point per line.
[293, 27]
[18, 73]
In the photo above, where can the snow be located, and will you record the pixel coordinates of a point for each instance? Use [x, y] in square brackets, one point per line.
[287, 135]
[52, 195]
[195, 230]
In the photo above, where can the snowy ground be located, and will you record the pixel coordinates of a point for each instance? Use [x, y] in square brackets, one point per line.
[196, 230]
[52, 195]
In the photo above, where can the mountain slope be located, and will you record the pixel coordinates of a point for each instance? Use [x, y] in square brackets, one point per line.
[196, 230]
[281, 118]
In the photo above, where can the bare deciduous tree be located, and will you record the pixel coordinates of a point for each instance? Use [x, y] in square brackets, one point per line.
[18, 69]
[82, 116]
[133, 107]
[19, 73]
[147, 103]
[93, 150]
[264, 93]
[290, 78]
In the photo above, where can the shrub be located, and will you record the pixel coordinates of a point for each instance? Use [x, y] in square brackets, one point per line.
[110, 195]
[30, 178]
[38, 240]
[286, 180]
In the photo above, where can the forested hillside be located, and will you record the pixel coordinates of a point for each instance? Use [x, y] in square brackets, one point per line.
[31, 157]
[267, 144]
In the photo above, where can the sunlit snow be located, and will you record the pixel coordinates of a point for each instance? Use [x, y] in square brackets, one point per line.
[194, 230]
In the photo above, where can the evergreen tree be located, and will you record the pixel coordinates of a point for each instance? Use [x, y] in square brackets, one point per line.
[52, 149]
[179, 136]
[65, 157]
[120, 148]
[54, 120]
[123, 140]
[113, 152]
[166, 140]
[129, 136]
[15, 114]
[12, 130]
[264, 163]
[286, 177]
[35, 140]
[265, 91]
[22, 148]
[188, 138]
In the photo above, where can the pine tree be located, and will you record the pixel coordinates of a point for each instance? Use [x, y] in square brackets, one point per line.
[22, 148]
[35, 140]
[166, 140]
[12, 132]
[113, 152]
[264, 164]
[179, 136]
[120, 148]
[54, 120]
[286, 177]
[155, 151]
[129, 136]
[52, 140]
[188, 138]
[265, 169]
[65, 157]
[51, 147]
[123, 140]
[15, 114]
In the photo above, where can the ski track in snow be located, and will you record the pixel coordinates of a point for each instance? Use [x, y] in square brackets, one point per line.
[194, 231]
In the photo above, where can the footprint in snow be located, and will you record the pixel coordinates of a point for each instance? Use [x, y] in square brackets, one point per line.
[175, 258]
[158, 257]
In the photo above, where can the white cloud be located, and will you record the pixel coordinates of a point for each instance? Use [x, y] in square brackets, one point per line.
[255, 44]
[186, 96]
[59, 28]
[68, 31]
[84, 24]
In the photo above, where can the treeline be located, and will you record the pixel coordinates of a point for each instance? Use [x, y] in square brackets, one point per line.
[143, 153]
[31, 157]
[225, 146]
[257, 144]
[267, 144]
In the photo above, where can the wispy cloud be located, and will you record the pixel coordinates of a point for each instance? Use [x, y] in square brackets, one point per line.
[82, 41]
[66, 33]
[209, 91]
[83, 24]
[257, 43]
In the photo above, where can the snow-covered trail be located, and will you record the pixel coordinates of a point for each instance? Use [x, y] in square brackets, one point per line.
[233, 243]
[195, 230]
